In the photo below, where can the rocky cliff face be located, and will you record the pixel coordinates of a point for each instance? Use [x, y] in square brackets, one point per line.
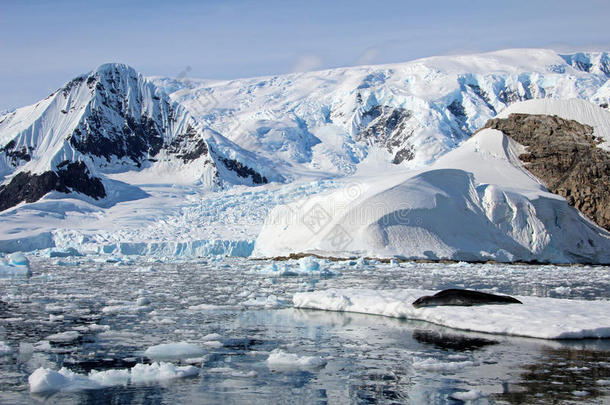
[564, 155]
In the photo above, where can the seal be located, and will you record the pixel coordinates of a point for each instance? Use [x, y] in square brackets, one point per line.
[459, 297]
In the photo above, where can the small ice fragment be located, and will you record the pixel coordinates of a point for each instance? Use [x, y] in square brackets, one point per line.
[562, 290]
[160, 371]
[431, 364]
[68, 252]
[5, 349]
[471, 395]
[213, 344]
[47, 380]
[180, 350]
[68, 336]
[18, 259]
[280, 358]
[309, 263]
[110, 378]
[211, 336]
[55, 318]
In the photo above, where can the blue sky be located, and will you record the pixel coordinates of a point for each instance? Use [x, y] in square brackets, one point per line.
[44, 44]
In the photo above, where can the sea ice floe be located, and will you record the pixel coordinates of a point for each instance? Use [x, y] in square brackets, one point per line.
[470, 395]
[67, 252]
[431, 364]
[179, 350]
[45, 380]
[545, 318]
[67, 336]
[280, 358]
[5, 349]
[269, 301]
[17, 265]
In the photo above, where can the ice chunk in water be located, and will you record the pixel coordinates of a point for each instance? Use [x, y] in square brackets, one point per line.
[18, 259]
[17, 265]
[5, 349]
[280, 358]
[180, 350]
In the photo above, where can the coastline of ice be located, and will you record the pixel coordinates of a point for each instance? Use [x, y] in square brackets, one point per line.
[543, 318]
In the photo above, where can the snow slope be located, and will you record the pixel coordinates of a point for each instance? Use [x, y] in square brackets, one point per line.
[545, 318]
[328, 121]
[475, 203]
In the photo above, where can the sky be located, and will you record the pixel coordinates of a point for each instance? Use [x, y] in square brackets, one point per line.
[44, 44]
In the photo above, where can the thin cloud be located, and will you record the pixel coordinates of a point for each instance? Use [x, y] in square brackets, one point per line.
[307, 63]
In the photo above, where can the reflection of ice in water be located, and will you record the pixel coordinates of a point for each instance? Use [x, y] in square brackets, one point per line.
[367, 357]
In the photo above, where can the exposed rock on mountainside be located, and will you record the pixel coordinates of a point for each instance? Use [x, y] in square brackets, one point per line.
[564, 155]
[71, 177]
[387, 126]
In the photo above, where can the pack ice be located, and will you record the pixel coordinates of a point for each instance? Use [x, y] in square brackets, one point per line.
[475, 203]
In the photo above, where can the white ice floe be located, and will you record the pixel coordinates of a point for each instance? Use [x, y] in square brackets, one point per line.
[5, 349]
[45, 380]
[431, 364]
[308, 265]
[211, 336]
[265, 301]
[281, 359]
[17, 265]
[214, 344]
[160, 371]
[545, 318]
[67, 336]
[471, 395]
[180, 350]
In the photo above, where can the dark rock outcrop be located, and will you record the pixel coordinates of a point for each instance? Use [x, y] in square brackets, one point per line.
[564, 155]
[243, 171]
[16, 154]
[387, 126]
[70, 177]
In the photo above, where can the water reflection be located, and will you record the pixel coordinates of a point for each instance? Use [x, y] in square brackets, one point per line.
[448, 340]
[563, 374]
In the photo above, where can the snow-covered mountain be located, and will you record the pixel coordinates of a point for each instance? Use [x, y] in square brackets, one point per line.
[476, 203]
[123, 164]
[328, 122]
[109, 125]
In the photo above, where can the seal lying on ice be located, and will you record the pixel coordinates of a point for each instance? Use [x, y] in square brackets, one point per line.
[456, 296]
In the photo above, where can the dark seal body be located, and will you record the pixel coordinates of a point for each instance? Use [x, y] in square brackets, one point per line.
[459, 297]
